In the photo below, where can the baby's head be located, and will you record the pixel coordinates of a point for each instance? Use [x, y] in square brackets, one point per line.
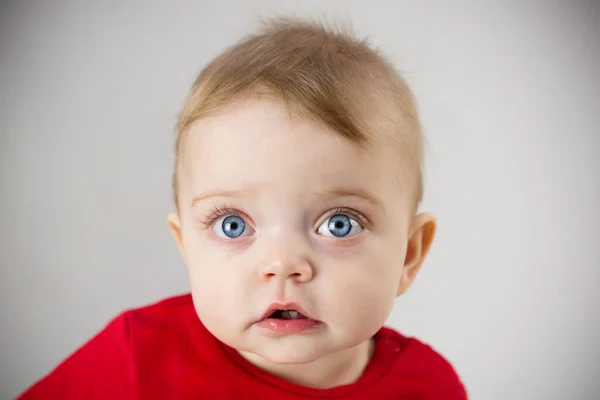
[297, 180]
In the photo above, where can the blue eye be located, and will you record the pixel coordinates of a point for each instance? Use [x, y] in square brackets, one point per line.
[232, 227]
[340, 225]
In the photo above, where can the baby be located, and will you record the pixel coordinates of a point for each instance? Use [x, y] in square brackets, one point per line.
[297, 183]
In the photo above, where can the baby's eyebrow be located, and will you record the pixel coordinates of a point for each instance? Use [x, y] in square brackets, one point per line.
[350, 192]
[331, 193]
[220, 193]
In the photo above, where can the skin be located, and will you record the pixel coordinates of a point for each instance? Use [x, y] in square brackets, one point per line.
[283, 174]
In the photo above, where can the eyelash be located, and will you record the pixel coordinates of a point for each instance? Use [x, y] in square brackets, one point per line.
[364, 221]
[216, 213]
[219, 211]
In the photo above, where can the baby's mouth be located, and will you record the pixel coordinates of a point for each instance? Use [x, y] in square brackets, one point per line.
[287, 314]
[287, 319]
[285, 311]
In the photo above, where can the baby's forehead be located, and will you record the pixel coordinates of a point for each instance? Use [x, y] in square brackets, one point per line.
[270, 118]
[260, 148]
[268, 130]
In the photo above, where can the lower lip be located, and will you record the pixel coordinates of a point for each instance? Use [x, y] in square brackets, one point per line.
[289, 326]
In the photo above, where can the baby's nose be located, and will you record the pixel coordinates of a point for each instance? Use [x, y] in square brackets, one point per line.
[299, 270]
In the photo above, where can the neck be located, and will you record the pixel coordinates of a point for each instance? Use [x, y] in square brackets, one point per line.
[336, 369]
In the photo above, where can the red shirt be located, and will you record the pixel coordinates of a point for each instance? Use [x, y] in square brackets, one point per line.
[162, 351]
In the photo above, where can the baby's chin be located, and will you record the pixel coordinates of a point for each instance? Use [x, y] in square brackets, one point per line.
[297, 350]
[283, 354]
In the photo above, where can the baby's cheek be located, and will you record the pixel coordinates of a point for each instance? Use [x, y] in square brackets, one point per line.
[372, 305]
[210, 291]
[363, 299]
[213, 305]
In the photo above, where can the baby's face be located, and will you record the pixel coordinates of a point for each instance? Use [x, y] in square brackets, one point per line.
[277, 212]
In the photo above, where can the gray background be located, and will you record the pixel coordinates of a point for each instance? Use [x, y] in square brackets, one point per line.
[510, 100]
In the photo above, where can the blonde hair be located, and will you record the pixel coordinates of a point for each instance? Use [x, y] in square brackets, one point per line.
[325, 74]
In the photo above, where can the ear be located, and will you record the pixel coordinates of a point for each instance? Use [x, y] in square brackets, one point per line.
[175, 225]
[421, 234]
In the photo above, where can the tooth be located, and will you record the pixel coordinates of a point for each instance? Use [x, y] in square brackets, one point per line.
[293, 314]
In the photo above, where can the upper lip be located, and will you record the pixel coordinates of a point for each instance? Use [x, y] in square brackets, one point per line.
[284, 306]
